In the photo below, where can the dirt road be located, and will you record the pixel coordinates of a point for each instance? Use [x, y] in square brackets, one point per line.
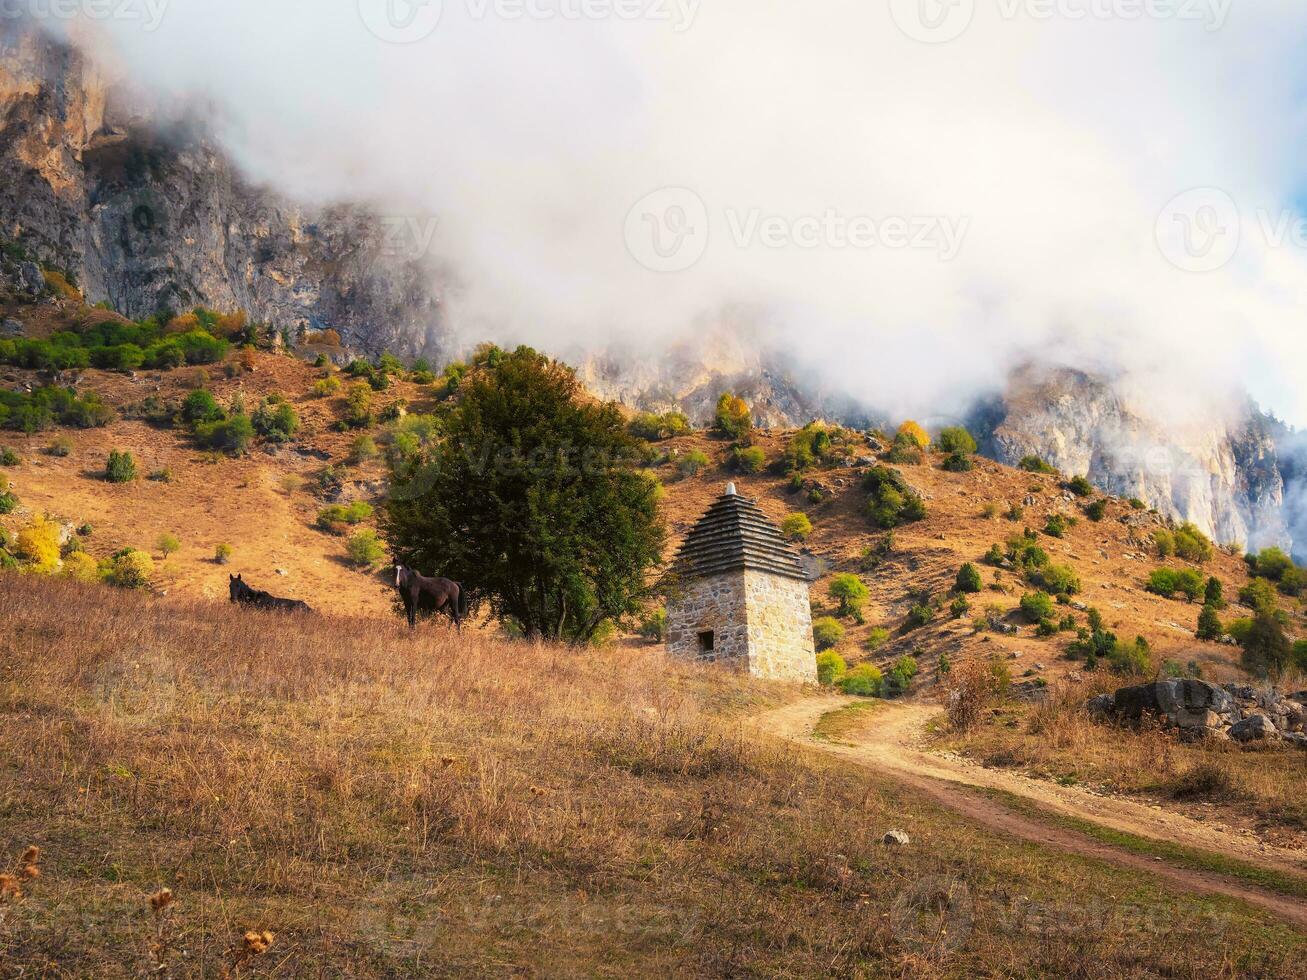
[893, 746]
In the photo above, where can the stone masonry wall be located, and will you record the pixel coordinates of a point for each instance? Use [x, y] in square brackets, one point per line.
[780, 628]
[761, 623]
[717, 604]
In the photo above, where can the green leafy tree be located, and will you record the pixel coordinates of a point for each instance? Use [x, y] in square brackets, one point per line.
[1209, 624]
[830, 667]
[796, 526]
[533, 501]
[1214, 594]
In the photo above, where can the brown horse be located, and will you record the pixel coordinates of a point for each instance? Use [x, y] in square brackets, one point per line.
[418, 591]
[242, 594]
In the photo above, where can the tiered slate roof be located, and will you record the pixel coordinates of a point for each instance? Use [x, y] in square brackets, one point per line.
[735, 534]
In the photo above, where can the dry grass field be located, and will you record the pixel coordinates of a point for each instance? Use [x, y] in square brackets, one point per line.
[339, 797]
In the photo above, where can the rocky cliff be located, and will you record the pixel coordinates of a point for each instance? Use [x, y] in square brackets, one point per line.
[1225, 477]
[150, 215]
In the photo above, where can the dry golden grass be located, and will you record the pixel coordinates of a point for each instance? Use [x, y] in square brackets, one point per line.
[1057, 739]
[218, 792]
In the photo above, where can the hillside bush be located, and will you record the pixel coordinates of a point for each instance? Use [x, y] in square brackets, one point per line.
[1059, 580]
[863, 681]
[168, 544]
[957, 463]
[877, 637]
[827, 632]
[43, 408]
[830, 667]
[338, 517]
[968, 579]
[60, 447]
[81, 566]
[891, 502]
[1258, 595]
[1214, 593]
[656, 428]
[914, 431]
[1192, 544]
[358, 406]
[222, 553]
[1209, 624]
[1167, 582]
[1037, 606]
[732, 418]
[1164, 542]
[1097, 510]
[851, 593]
[128, 569]
[1267, 651]
[692, 463]
[920, 614]
[229, 435]
[120, 467]
[38, 544]
[326, 387]
[8, 502]
[796, 526]
[8, 457]
[1056, 525]
[899, 678]
[1033, 464]
[748, 459]
[653, 625]
[365, 548]
[905, 450]
[275, 419]
[956, 439]
[1080, 486]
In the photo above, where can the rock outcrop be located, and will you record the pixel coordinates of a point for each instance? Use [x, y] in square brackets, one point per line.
[1226, 478]
[1199, 709]
[149, 214]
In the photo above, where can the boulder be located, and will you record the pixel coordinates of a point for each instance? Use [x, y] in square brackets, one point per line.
[31, 280]
[1254, 728]
[1296, 739]
[1101, 706]
[1182, 702]
[11, 328]
[896, 838]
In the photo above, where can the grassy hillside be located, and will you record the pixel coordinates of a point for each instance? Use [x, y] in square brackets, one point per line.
[380, 803]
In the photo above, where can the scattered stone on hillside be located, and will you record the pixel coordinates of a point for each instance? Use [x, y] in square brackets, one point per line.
[1006, 629]
[896, 838]
[1101, 705]
[1256, 728]
[11, 328]
[1296, 739]
[282, 572]
[1080, 607]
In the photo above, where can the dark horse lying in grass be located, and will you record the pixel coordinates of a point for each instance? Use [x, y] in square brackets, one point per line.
[243, 595]
[430, 595]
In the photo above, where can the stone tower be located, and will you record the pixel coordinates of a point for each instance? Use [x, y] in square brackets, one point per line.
[743, 598]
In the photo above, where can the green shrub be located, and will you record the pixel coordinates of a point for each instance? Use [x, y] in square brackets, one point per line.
[827, 632]
[1056, 526]
[653, 626]
[876, 638]
[1164, 542]
[830, 667]
[732, 418]
[656, 428]
[1271, 563]
[905, 450]
[1192, 545]
[358, 406]
[60, 448]
[120, 467]
[863, 681]
[168, 544]
[1214, 593]
[692, 463]
[956, 439]
[1037, 606]
[231, 435]
[1060, 580]
[8, 457]
[337, 517]
[899, 678]
[326, 387]
[957, 463]
[1267, 652]
[275, 419]
[1080, 486]
[891, 502]
[1209, 624]
[851, 593]
[1137, 504]
[968, 579]
[1293, 581]
[199, 407]
[222, 554]
[1258, 595]
[749, 459]
[1132, 660]
[1168, 581]
[129, 569]
[920, 614]
[959, 607]
[8, 502]
[1097, 510]
[796, 526]
[365, 548]
[1033, 464]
